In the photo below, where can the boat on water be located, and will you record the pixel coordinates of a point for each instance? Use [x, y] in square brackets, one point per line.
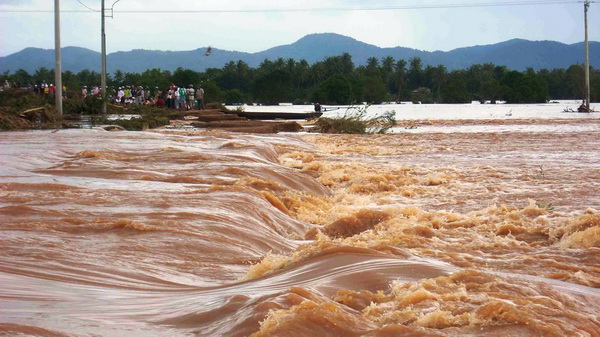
[276, 115]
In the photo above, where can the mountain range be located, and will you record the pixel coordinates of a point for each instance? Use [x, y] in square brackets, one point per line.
[516, 54]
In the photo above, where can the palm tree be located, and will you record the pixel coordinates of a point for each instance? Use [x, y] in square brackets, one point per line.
[387, 70]
[43, 75]
[373, 66]
[399, 81]
[439, 77]
[415, 72]
[119, 77]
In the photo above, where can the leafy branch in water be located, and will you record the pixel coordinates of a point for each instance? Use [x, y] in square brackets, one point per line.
[355, 121]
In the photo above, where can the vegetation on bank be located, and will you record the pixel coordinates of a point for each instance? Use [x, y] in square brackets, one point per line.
[336, 80]
[356, 121]
[22, 109]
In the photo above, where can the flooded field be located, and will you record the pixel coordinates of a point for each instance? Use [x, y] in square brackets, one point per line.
[489, 229]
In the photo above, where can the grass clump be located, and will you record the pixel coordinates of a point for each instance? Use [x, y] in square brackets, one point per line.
[355, 121]
[215, 105]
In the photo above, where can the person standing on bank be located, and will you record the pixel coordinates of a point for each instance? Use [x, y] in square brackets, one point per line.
[182, 100]
[190, 97]
[200, 97]
[175, 97]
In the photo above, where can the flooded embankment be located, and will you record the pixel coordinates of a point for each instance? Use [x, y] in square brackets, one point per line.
[428, 233]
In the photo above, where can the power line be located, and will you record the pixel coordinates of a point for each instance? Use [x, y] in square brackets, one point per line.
[84, 5]
[294, 10]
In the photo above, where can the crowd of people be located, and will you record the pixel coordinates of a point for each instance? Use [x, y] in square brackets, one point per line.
[41, 89]
[175, 97]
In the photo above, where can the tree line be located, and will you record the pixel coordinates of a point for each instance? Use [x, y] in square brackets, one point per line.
[337, 80]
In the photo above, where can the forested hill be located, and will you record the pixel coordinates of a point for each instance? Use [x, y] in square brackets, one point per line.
[516, 54]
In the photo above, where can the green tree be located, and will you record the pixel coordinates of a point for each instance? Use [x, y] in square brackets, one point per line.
[575, 78]
[374, 89]
[71, 81]
[302, 74]
[118, 79]
[400, 82]
[335, 65]
[234, 96]
[387, 71]
[43, 75]
[455, 91]
[372, 68]
[301, 82]
[156, 78]
[212, 92]
[335, 90]
[524, 88]
[415, 73]
[21, 76]
[595, 85]
[184, 77]
[436, 79]
[234, 76]
[273, 87]
[89, 78]
[491, 90]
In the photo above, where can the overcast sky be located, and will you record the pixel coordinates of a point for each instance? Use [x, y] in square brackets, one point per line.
[251, 26]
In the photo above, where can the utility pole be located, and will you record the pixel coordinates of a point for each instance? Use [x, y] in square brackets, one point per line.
[586, 6]
[103, 76]
[57, 51]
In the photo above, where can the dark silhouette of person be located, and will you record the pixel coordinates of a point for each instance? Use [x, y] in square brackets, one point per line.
[582, 107]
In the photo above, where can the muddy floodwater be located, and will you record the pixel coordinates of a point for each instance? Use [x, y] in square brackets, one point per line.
[444, 228]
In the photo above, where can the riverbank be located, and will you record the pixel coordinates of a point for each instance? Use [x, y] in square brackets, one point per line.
[20, 109]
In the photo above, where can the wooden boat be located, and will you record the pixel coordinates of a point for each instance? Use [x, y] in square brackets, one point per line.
[276, 115]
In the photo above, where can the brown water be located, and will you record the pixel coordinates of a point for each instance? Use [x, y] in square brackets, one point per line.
[216, 234]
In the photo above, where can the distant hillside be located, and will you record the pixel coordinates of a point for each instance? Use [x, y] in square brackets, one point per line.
[516, 54]
[31, 59]
[316, 47]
